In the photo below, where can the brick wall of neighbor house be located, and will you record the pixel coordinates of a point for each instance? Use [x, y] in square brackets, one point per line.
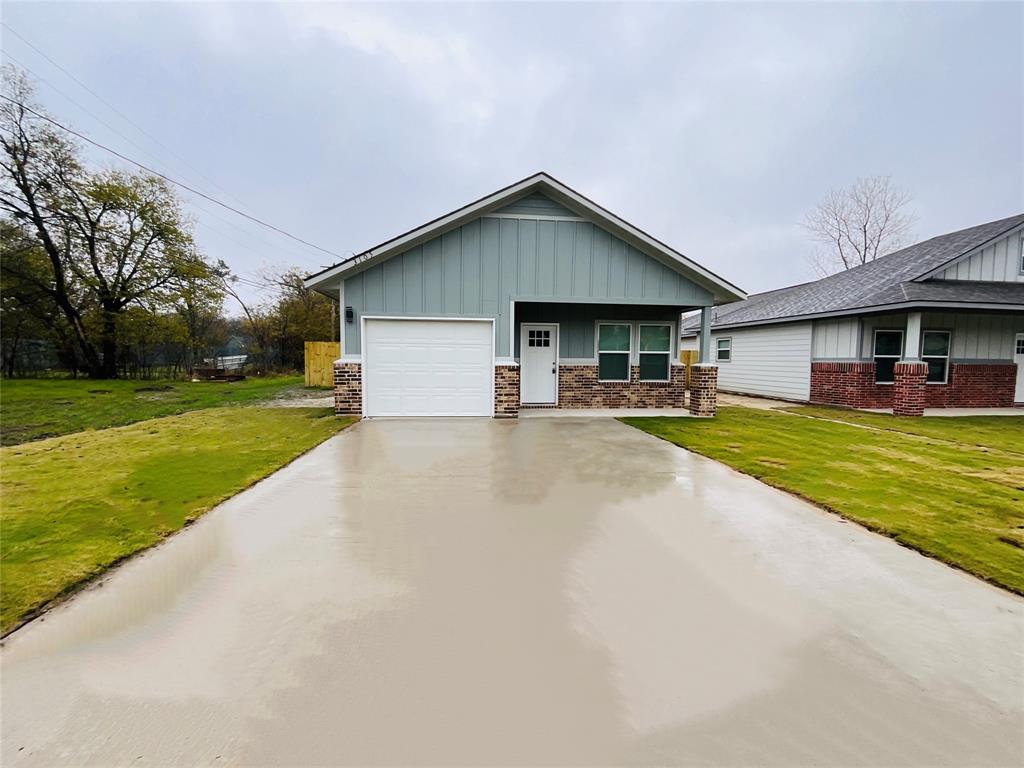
[348, 388]
[849, 384]
[974, 385]
[969, 385]
[578, 387]
[908, 389]
[506, 391]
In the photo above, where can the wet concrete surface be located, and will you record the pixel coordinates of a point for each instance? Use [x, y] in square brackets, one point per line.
[550, 591]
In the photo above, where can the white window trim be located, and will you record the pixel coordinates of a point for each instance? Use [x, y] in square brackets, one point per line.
[668, 353]
[1020, 255]
[720, 339]
[629, 354]
[874, 346]
[949, 350]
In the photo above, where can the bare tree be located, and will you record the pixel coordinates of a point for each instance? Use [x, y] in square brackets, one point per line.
[858, 224]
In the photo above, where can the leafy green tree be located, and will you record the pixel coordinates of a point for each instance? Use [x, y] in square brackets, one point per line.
[112, 239]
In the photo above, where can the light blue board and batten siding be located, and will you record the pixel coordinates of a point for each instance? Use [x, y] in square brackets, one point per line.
[478, 268]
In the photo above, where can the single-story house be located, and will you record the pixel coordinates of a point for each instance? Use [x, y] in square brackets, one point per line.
[938, 324]
[531, 297]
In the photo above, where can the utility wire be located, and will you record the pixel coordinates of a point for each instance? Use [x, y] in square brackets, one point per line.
[167, 178]
[115, 110]
[129, 139]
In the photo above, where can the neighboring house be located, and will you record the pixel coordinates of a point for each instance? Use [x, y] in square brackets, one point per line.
[939, 324]
[532, 296]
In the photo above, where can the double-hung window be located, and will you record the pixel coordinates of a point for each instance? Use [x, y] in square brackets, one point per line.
[655, 351]
[888, 351]
[723, 350]
[613, 351]
[935, 352]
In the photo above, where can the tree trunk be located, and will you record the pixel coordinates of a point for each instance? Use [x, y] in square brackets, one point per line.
[108, 367]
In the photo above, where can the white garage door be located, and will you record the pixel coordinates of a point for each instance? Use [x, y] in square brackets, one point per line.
[428, 368]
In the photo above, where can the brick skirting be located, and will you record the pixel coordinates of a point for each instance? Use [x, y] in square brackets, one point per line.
[506, 391]
[849, 384]
[578, 387]
[348, 388]
[968, 385]
[974, 385]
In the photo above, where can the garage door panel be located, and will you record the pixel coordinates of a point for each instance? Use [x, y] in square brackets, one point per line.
[428, 367]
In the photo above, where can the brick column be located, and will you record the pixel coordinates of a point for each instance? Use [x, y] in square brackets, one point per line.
[348, 388]
[703, 389]
[908, 394]
[506, 391]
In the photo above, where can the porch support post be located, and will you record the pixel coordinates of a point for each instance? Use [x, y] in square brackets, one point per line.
[909, 388]
[912, 344]
[705, 335]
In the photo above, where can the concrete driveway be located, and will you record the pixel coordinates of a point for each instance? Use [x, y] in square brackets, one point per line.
[545, 592]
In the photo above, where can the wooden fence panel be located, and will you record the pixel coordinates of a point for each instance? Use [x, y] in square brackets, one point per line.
[320, 357]
[688, 357]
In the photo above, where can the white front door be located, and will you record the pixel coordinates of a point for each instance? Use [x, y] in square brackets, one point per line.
[427, 367]
[1018, 358]
[538, 363]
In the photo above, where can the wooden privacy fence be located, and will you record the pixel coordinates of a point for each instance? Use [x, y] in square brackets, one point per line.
[688, 357]
[320, 357]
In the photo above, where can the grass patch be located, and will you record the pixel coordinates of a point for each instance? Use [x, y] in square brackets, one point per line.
[33, 409]
[1005, 433]
[960, 502]
[75, 505]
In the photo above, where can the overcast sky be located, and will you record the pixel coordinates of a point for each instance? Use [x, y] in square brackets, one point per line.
[714, 127]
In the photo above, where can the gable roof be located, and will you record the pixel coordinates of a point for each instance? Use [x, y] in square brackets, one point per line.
[894, 279]
[525, 189]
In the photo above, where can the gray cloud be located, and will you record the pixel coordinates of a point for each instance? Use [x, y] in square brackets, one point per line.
[713, 126]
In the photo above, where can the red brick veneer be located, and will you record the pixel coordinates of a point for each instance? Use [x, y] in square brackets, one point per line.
[851, 384]
[908, 388]
[578, 387]
[969, 385]
[974, 385]
[348, 388]
[506, 391]
[703, 390]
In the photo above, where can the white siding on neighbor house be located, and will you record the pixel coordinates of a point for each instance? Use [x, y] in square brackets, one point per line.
[774, 361]
[999, 261]
[690, 342]
[836, 339]
[973, 336]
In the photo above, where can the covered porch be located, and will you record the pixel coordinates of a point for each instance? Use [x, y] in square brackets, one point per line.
[590, 355]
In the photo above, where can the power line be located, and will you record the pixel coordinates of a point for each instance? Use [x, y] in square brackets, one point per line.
[167, 178]
[129, 139]
[116, 111]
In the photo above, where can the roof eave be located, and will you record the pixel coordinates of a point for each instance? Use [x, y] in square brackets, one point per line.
[865, 310]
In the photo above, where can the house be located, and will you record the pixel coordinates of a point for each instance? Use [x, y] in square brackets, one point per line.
[531, 297]
[939, 324]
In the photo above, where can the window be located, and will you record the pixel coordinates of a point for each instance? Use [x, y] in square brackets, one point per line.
[539, 338]
[613, 348]
[1020, 256]
[723, 351]
[935, 352]
[655, 352]
[888, 351]
[1020, 346]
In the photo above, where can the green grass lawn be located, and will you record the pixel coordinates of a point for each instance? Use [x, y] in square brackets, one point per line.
[31, 409]
[75, 505]
[956, 497]
[1003, 432]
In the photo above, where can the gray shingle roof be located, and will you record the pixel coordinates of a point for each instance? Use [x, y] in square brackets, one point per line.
[886, 280]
